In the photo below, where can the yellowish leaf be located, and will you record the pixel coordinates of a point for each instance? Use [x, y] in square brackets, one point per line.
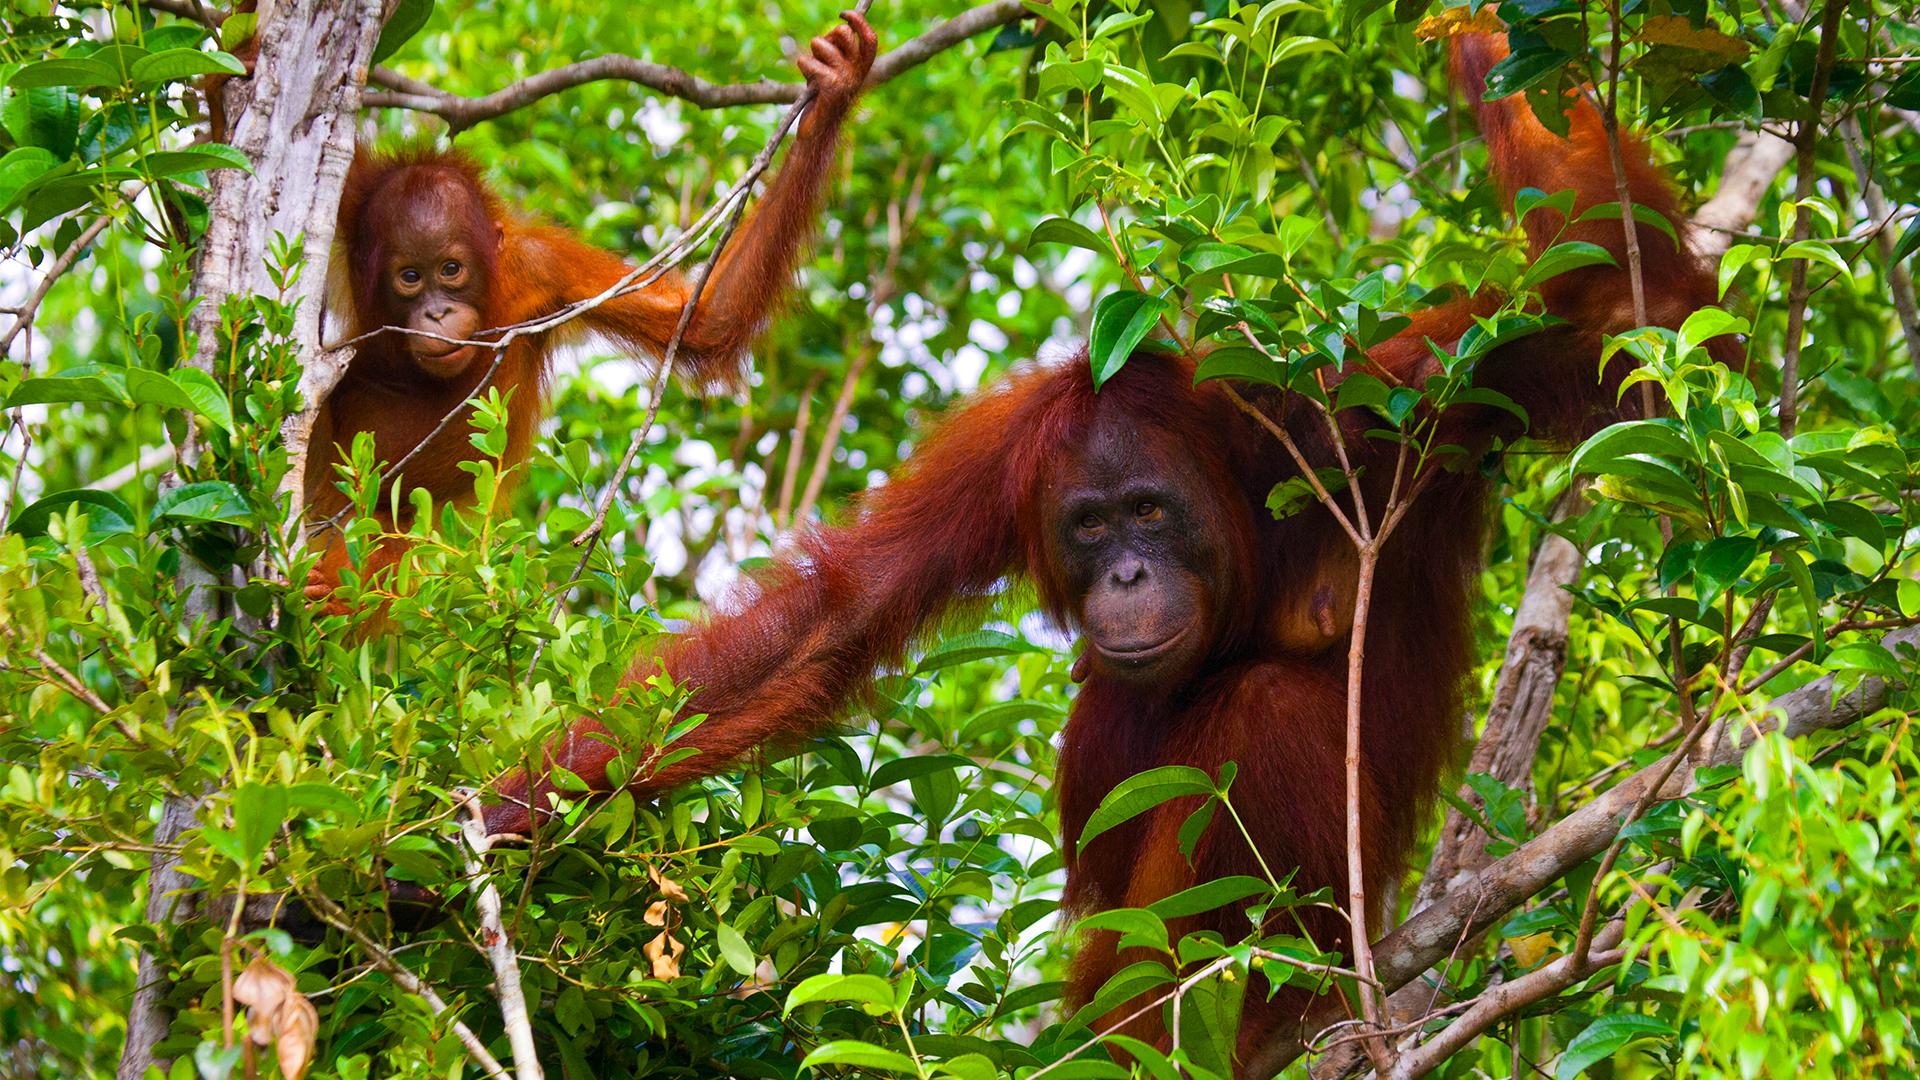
[1454, 22]
[1679, 30]
[1529, 949]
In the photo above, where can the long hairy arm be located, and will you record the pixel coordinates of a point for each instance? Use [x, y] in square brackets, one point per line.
[826, 616]
[755, 271]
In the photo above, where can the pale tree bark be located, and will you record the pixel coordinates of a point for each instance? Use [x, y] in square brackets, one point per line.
[1522, 704]
[1751, 166]
[294, 121]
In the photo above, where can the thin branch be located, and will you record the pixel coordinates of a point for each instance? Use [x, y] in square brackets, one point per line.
[1497, 1004]
[589, 538]
[1427, 937]
[463, 112]
[498, 947]
[1806, 141]
[60, 266]
[330, 913]
[830, 438]
[1899, 281]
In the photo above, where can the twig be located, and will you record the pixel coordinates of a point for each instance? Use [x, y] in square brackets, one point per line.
[830, 438]
[1425, 939]
[1498, 1003]
[463, 112]
[590, 536]
[330, 913]
[796, 443]
[498, 947]
[1806, 139]
[54, 272]
[1899, 281]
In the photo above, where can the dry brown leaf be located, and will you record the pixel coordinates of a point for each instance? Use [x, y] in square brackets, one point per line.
[1456, 21]
[657, 913]
[664, 952]
[298, 1025]
[278, 1015]
[668, 887]
[263, 988]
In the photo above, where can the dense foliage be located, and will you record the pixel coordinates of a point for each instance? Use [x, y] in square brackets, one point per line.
[1278, 179]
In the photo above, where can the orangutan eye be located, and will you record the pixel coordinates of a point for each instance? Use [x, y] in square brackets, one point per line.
[1147, 510]
[1090, 522]
[410, 276]
[449, 269]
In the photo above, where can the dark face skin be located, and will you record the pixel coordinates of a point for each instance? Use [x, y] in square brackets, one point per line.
[1133, 540]
[435, 280]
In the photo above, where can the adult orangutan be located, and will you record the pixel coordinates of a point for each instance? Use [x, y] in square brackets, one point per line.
[425, 245]
[1213, 632]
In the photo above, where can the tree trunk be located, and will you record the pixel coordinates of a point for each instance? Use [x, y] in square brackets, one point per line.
[294, 121]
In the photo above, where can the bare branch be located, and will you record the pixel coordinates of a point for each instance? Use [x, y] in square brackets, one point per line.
[330, 913]
[1751, 166]
[1806, 140]
[1473, 906]
[461, 112]
[1521, 707]
[495, 943]
[1899, 281]
[54, 272]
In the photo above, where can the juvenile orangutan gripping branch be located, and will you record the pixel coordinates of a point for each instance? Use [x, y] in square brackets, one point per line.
[1213, 632]
[428, 247]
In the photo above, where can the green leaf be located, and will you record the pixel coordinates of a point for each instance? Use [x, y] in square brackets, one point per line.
[1736, 260]
[195, 159]
[1296, 48]
[1909, 243]
[860, 1055]
[58, 388]
[734, 949]
[871, 992]
[1642, 215]
[1120, 322]
[207, 397]
[174, 65]
[1816, 251]
[907, 768]
[966, 648]
[1659, 438]
[1605, 1037]
[407, 19]
[1720, 564]
[1065, 230]
[206, 500]
[1868, 656]
[1209, 895]
[1561, 258]
[64, 72]
[258, 812]
[1242, 362]
[1140, 793]
[1136, 927]
[107, 514]
[22, 165]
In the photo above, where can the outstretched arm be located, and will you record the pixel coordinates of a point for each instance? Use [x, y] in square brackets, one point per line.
[756, 268]
[825, 617]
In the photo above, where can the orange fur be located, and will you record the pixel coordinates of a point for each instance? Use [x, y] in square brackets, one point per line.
[534, 270]
[967, 510]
